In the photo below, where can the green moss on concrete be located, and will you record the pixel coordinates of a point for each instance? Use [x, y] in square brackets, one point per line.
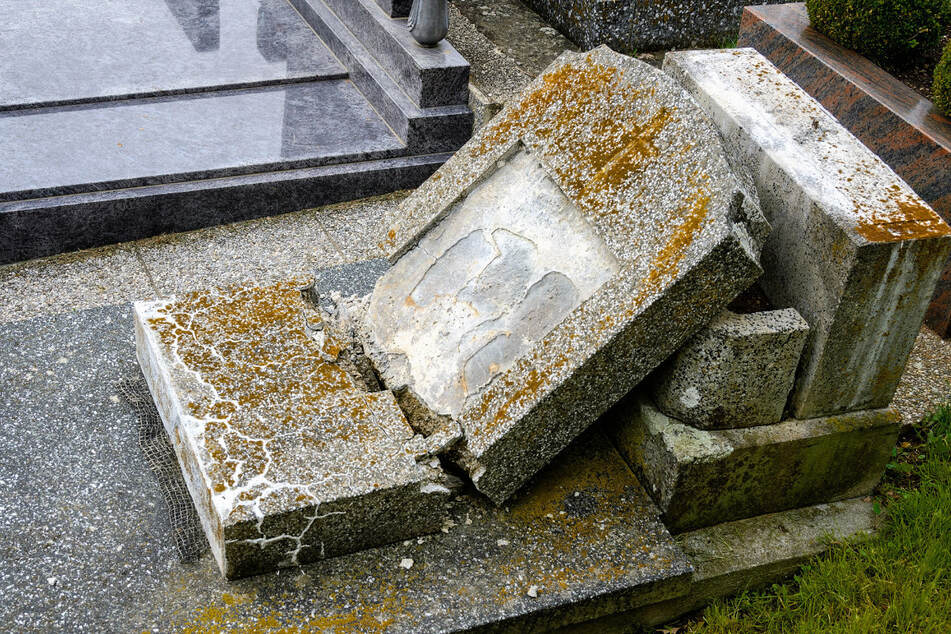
[884, 30]
[898, 582]
[941, 89]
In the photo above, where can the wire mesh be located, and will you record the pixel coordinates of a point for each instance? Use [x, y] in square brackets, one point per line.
[190, 540]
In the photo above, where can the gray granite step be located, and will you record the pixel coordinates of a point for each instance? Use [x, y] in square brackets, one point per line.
[435, 129]
[149, 48]
[181, 138]
[153, 117]
[430, 76]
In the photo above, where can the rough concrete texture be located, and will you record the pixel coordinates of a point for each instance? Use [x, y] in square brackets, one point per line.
[699, 478]
[630, 26]
[597, 215]
[494, 77]
[853, 248]
[517, 31]
[746, 554]
[287, 458]
[736, 372]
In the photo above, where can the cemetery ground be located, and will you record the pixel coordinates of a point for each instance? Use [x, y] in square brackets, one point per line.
[902, 574]
[91, 537]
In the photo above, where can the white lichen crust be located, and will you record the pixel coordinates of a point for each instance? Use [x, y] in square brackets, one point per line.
[288, 460]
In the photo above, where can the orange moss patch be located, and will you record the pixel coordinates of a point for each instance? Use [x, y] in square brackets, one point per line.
[263, 377]
[911, 220]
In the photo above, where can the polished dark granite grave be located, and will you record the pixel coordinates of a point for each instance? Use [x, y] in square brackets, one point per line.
[122, 119]
[890, 118]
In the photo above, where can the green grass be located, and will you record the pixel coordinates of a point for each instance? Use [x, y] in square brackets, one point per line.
[899, 581]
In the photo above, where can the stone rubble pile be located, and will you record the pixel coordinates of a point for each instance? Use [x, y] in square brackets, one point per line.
[855, 252]
[591, 236]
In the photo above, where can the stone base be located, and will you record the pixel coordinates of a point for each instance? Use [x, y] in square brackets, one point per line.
[893, 120]
[700, 478]
[287, 457]
[607, 553]
[853, 248]
[747, 554]
[630, 26]
[581, 541]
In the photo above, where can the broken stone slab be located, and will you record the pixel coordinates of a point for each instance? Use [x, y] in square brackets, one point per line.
[287, 456]
[700, 477]
[736, 372]
[853, 248]
[581, 541]
[561, 255]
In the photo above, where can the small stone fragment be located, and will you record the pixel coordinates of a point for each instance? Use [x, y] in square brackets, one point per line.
[532, 591]
[736, 372]
[406, 563]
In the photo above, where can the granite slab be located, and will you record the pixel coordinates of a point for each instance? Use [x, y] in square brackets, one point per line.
[568, 248]
[632, 26]
[118, 49]
[186, 138]
[894, 121]
[854, 249]
[45, 226]
[176, 116]
[287, 457]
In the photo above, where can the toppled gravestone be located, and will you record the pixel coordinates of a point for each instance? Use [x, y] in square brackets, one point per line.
[564, 252]
[853, 248]
[287, 457]
[556, 260]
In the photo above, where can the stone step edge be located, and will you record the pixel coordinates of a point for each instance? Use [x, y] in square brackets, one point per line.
[431, 76]
[411, 123]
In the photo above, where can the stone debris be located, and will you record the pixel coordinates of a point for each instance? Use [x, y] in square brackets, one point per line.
[556, 259]
[699, 478]
[287, 458]
[406, 563]
[853, 248]
[736, 372]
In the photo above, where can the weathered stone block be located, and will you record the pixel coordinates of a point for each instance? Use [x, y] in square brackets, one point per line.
[630, 26]
[287, 457]
[889, 117]
[561, 255]
[700, 478]
[853, 248]
[736, 372]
